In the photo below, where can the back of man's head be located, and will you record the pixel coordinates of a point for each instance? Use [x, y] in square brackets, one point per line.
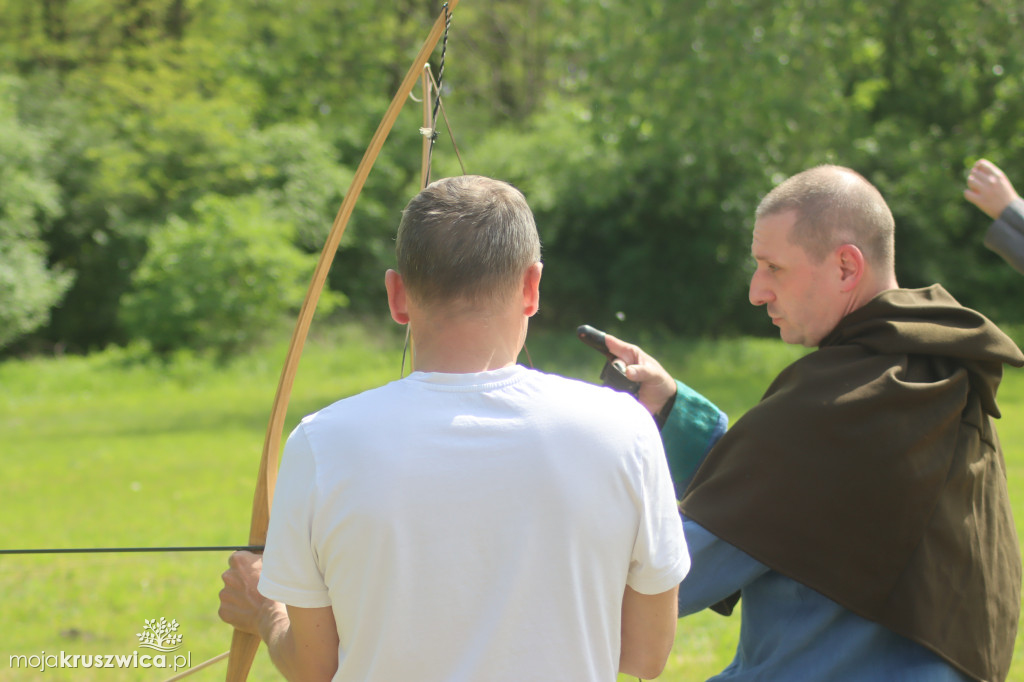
[835, 206]
[466, 240]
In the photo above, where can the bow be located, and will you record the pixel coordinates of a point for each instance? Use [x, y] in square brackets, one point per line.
[244, 645]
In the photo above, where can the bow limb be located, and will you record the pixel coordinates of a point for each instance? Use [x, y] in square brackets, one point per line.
[243, 644]
[428, 125]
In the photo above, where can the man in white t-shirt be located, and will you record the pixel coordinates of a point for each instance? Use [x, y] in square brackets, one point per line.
[475, 520]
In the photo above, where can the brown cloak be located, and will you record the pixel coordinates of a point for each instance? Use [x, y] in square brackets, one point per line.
[871, 472]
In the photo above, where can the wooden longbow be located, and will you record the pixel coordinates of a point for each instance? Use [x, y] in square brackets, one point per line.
[243, 644]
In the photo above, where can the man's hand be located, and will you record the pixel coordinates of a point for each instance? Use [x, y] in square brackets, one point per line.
[303, 643]
[241, 604]
[989, 189]
[656, 385]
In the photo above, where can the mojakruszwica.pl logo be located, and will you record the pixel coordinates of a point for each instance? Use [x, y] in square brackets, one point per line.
[161, 637]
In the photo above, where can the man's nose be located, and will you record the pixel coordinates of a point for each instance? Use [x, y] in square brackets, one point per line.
[759, 293]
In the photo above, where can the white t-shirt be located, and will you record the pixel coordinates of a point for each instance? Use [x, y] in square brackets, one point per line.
[475, 526]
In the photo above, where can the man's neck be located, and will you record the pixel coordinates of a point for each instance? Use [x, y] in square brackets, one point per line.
[466, 345]
[873, 287]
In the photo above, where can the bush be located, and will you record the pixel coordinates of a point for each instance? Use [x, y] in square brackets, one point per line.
[27, 289]
[29, 202]
[217, 282]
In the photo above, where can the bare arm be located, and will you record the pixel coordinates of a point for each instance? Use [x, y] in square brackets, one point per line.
[303, 643]
[648, 631]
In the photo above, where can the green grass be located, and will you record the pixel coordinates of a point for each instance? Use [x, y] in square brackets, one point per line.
[117, 450]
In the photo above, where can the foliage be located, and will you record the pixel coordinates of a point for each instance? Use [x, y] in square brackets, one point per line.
[29, 202]
[218, 281]
[689, 112]
[644, 136]
[27, 289]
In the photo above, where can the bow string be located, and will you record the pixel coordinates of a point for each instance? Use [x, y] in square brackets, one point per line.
[243, 644]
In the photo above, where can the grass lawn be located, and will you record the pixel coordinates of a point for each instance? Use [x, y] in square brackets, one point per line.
[111, 450]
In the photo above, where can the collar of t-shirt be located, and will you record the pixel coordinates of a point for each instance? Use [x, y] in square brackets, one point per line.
[475, 381]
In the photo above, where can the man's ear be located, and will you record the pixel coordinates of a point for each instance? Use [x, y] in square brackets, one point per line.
[397, 299]
[531, 289]
[851, 263]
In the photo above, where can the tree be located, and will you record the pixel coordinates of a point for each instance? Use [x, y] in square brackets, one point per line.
[678, 117]
[29, 202]
[644, 136]
[218, 281]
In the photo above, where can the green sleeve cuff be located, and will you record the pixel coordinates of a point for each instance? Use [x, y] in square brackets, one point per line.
[692, 427]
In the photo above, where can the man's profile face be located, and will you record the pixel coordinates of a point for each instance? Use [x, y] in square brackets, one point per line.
[799, 295]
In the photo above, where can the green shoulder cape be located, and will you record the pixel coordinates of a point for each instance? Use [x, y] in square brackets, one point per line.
[871, 472]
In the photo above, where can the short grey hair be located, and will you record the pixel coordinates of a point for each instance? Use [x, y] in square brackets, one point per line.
[466, 239]
[834, 206]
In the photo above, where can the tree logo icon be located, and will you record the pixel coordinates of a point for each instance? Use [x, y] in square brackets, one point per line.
[160, 635]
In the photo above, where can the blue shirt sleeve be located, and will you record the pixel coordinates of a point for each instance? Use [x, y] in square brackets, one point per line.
[717, 570]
